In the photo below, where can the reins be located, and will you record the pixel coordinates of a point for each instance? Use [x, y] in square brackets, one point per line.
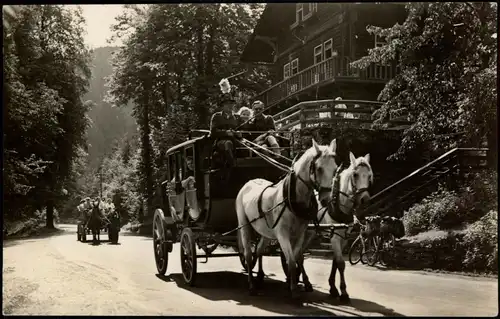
[310, 184]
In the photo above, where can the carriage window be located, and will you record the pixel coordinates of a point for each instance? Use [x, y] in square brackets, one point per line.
[171, 167]
[189, 163]
[179, 168]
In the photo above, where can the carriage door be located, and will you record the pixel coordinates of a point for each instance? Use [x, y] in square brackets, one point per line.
[190, 175]
[176, 194]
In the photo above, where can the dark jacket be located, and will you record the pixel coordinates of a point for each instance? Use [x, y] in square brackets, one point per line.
[262, 124]
[220, 123]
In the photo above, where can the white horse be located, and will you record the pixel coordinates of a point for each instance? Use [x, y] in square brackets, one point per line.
[352, 192]
[283, 210]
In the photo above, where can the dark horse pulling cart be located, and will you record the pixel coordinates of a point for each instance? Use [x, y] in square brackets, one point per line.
[214, 220]
[96, 221]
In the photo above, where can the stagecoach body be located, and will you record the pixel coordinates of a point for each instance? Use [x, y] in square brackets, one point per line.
[216, 188]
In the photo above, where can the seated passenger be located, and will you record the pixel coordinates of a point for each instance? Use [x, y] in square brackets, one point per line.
[263, 122]
[222, 127]
[244, 115]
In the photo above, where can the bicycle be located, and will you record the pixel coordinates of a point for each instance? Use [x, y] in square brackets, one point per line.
[357, 248]
[381, 247]
[357, 251]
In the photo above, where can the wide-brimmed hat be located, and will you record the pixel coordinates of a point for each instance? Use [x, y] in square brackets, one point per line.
[227, 97]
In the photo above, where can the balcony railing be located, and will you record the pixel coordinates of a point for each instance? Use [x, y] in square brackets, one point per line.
[332, 69]
[315, 113]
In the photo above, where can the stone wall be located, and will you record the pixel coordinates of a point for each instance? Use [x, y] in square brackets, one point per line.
[444, 253]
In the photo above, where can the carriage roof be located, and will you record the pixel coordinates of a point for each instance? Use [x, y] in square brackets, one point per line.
[184, 144]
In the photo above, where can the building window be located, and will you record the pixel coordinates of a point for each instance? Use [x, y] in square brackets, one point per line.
[318, 54]
[313, 7]
[295, 67]
[299, 13]
[286, 71]
[379, 41]
[328, 48]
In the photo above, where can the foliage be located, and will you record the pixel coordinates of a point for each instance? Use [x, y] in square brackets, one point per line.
[437, 211]
[170, 72]
[481, 243]
[445, 209]
[46, 73]
[446, 55]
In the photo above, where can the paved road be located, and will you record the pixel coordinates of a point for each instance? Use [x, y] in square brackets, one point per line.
[60, 276]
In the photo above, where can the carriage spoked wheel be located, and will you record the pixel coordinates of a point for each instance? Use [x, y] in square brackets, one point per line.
[284, 264]
[161, 254]
[188, 256]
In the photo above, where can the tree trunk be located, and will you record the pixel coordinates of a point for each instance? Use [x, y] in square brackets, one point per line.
[50, 215]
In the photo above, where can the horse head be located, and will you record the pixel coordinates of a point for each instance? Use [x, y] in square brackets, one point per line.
[316, 169]
[354, 185]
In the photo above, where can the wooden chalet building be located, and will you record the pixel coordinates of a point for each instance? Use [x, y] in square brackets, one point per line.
[309, 47]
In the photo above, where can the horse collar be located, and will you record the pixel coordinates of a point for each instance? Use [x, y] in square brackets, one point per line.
[300, 209]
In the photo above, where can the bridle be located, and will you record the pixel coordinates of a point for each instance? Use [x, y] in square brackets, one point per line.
[313, 183]
[355, 191]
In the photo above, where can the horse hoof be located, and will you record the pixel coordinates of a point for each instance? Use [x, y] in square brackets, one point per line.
[308, 287]
[345, 299]
[334, 292]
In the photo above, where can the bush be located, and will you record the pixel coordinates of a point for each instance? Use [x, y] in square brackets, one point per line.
[440, 210]
[481, 243]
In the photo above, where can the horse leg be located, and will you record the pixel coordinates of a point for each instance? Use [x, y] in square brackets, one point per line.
[344, 296]
[287, 249]
[335, 243]
[261, 246]
[245, 237]
[300, 261]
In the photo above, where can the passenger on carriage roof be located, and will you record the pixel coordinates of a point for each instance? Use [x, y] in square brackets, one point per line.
[244, 115]
[263, 122]
[222, 126]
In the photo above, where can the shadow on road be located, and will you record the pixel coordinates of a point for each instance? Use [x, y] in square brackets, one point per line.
[40, 234]
[273, 297]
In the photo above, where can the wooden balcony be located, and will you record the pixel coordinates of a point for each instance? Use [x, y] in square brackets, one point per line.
[316, 113]
[330, 70]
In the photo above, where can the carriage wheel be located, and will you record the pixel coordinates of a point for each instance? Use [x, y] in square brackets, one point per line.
[284, 264]
[161, 254]
[188, 256]
[356, 251]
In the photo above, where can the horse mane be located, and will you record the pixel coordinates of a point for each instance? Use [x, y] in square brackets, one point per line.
[304, 159]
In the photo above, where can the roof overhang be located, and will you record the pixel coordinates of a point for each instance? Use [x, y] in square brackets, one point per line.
[261, 45]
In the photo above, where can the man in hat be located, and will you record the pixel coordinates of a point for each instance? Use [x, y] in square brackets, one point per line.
[222, 127]
[263, 122]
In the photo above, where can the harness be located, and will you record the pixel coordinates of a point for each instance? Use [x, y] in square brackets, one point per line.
[304, 211]
[335, 212]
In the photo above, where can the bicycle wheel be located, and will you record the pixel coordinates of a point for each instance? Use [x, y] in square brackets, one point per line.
[387, 251]
[356, 251]
[371, 251]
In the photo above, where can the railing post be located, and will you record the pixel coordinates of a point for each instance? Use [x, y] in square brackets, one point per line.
[302, 117]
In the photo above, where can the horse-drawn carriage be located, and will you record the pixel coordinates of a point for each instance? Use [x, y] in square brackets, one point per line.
[97, 217]
[205, 226]
[226, 203]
